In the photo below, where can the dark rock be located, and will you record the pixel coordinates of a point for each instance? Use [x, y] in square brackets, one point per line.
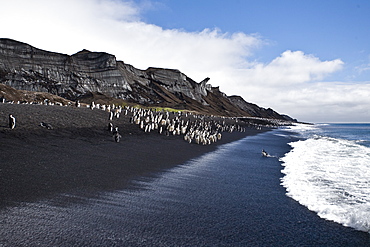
[87, 73]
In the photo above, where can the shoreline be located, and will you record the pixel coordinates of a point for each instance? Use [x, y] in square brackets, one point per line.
[79, 154]
[75, 185]
[213, 203]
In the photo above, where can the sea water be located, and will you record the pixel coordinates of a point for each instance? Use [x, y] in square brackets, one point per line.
[229, 197]
[328, 171]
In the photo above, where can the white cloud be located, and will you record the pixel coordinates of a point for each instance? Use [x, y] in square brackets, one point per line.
[297, 67]
[289, 69]
[336, 102]
[287, 84]
[114, 26]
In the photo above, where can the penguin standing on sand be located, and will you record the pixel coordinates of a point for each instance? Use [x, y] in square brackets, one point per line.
[117, 137]
[110, 127]
[11, 121]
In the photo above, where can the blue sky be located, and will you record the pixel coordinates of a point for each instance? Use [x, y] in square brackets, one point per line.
[308, 59]
[328, 29]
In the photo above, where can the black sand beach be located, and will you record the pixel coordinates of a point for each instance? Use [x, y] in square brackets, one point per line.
[79, 154]
[227, 197]
[74, 186]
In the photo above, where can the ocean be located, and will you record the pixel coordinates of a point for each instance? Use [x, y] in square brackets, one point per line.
[312, 190]
[328, 171]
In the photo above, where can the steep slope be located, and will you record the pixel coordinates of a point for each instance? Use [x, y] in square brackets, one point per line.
[87, 73]
[11, 94]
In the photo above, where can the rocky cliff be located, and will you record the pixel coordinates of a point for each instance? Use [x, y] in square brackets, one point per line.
[86, 73]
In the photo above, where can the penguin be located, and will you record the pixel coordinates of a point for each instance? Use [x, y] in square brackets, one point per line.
[11, 121]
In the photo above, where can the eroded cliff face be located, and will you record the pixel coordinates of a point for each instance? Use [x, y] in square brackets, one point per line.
[25, 67]
[73, 76]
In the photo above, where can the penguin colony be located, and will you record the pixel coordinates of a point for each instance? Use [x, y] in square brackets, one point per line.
[195, 128]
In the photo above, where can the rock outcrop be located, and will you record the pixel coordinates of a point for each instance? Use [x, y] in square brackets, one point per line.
[82, 74]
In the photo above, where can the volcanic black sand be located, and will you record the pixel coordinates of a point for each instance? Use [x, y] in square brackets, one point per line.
[79, 155]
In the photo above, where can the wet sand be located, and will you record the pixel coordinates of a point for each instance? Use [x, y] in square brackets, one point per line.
[79, 154]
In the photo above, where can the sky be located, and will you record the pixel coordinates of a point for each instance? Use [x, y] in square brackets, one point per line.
[309, 59]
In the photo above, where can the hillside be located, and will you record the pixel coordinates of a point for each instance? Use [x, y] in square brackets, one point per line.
[89, 76]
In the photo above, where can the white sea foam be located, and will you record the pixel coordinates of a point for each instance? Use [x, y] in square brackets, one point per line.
[304, 130]
[331, 177]
[303, 127]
